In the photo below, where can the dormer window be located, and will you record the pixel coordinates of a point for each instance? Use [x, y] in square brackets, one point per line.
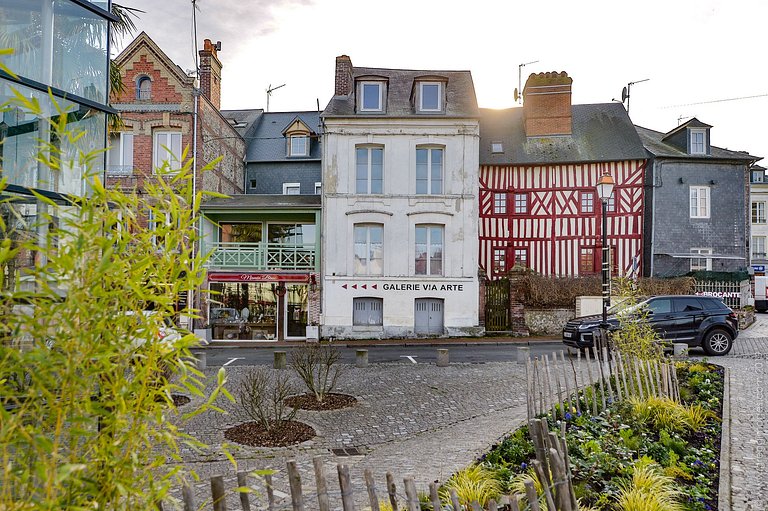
[371, 96]
[299, 145]
[698, 141]
[430, 97]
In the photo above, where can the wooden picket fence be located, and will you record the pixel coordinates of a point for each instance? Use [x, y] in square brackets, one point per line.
[602, 374]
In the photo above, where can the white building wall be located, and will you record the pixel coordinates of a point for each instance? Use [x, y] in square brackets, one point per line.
[399, 209]
[758, 193]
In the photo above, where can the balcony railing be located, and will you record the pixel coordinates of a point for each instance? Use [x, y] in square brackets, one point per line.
[261, 256]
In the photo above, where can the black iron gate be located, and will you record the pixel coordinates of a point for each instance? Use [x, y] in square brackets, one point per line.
[497, 305]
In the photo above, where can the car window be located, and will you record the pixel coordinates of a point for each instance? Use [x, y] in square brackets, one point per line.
[687, 304]
[660, 306]
[713, 304]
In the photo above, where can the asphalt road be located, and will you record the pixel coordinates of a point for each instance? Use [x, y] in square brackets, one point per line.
[477, 354]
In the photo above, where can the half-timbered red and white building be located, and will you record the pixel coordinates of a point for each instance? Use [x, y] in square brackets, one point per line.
[539, 165]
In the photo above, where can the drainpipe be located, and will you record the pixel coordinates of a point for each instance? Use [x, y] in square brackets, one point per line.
[195, 110]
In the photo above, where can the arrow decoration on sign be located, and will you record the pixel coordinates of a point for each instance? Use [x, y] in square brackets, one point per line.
[364, 286]
[354, 286]
[374, 286]
[344, 286]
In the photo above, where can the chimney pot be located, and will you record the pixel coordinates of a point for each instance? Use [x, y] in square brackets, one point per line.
[210, 72]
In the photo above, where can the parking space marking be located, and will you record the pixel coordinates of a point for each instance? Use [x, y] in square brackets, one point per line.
[409, 357]
[233, 359]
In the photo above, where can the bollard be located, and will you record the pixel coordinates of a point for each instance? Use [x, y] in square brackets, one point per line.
[202, 361]
[681, 349]
[523, 352]
[361, 358]
[279, 360]
[442, 357]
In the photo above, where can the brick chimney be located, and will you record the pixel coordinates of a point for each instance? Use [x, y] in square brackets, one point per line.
[547, 104]
[343, 76]
[210, 72]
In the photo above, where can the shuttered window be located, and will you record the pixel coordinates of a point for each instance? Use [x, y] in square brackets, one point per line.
[368, 311]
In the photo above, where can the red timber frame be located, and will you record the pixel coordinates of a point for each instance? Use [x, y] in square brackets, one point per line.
[554, 229]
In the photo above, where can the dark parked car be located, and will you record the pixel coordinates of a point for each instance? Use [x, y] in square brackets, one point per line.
[694, 320]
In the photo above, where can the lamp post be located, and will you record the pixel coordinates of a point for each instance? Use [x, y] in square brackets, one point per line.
[604, 190]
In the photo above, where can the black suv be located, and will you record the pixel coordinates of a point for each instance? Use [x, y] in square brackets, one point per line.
[695, 320]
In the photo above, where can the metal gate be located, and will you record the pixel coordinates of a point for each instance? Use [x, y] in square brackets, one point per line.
[428, 316]
[497, 305]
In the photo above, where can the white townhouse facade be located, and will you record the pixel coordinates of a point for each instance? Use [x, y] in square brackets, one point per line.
[400, 188]
[758, 197]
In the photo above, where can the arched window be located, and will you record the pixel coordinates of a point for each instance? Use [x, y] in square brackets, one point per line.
[144, 88]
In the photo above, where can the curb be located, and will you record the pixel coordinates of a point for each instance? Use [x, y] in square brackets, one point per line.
[384, 343]
[724, 490]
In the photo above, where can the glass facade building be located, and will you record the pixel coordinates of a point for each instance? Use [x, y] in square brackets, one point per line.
[59, 60]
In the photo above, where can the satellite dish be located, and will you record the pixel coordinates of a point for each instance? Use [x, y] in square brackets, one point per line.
[624, 94]
[517, 95]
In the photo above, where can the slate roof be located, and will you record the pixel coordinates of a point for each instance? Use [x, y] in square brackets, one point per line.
[244, 120]
[601, 132]
[266, 142]
[460, 99]
[253, 201]
[652, 140]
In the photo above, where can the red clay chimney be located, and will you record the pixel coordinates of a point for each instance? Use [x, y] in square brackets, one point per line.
[210, 72]
[343, 76]
[547, 104]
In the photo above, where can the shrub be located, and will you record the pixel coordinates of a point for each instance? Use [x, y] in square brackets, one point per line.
[472, 483]
[318, 367]
[261, 397]
[635, 336]
[90, 427]
[649, 490]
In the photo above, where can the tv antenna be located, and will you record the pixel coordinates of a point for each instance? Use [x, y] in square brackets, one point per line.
[270, 90]
[519, 90]
[626, 90]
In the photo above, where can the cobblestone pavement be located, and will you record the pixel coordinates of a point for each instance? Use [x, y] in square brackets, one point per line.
[748, 364]
[415, 420]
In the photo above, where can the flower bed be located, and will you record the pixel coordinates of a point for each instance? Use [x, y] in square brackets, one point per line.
[676, 445]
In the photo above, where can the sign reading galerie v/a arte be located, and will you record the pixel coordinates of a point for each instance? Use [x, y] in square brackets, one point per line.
[416, 286]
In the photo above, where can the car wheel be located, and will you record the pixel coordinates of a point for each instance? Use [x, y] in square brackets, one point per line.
[717, 342]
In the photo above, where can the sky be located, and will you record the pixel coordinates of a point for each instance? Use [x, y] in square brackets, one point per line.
[701, 58]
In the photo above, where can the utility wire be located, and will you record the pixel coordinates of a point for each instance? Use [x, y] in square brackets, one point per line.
[716, 101]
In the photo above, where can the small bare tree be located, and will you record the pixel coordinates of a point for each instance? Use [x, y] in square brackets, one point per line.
[261, 397]
[317, 366]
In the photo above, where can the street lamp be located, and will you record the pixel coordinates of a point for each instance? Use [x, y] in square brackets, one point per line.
[604, 190]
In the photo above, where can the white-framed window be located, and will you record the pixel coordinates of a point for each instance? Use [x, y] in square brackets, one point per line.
[521, 257]
[521, 203]
[758, 247]
[367, 311]
[701, 263]
[430, 96]
[298, 146]
[167, 150]
[699, 201]
[158, 224]
[144, 88]
[587, 202]
[291, 188]
[369, 242]
[371, 96]
[758, 176]
[429, 171]
[758, 212]
[369, 170]
[120, 155]
[611, 206]
[499, 261]
[429, 250]
[497, 147]
[499, 203]
[318, 187]
[698, 141]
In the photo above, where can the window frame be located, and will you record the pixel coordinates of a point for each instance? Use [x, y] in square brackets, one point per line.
[439, 86]
[707, 260]
[145, 94]
[429, 247]
[592, 252]
[694, 144]
[514, 199]
[369, 248]
[495, 196]
[756, 217]
[369, 169]
[520, 250]
[429, 180]
[291, 186]
[753, 244]
[123, 135]
[499, 264]
[291, 151]
[361, 89]
[171, 158]
[318, 188]
[590, 197]
[706, 199]
[497, 147]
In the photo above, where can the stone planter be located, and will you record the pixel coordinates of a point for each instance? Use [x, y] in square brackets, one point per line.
[313, 332]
